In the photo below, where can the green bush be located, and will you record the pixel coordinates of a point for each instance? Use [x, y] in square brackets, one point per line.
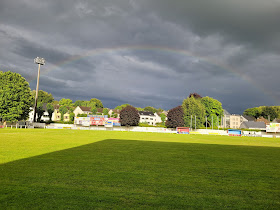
[82, 115]
[144, 124]
[161, 125]
[63, 122]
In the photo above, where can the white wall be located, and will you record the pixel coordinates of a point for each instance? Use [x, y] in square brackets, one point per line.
[44, 118]
[151, 120]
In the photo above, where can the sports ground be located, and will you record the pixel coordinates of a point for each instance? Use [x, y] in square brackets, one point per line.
[75, 169]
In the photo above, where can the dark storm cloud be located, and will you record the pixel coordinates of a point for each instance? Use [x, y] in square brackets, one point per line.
[28, 49]
[146, 52]
[250, 21]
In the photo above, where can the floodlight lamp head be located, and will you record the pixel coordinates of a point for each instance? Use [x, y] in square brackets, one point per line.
[40, 61]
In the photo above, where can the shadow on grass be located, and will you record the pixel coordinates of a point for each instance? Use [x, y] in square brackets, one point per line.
[140, 174]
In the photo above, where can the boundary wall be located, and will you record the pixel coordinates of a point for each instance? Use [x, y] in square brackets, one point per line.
[159, 130]
[102, 128]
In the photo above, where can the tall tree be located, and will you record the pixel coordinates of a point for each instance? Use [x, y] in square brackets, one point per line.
[72, 116]
[78, 103]
[63, 110]
[40, 111]
[15, 97]
[269, 112]
[194, 112]
[50, 110]
[162, 117]
[195, 95]
[43, 97]
[55, 102]
[129, 116]
[213, 108]
[105, 111]
[93, 110]
[175, 117]
[65, 102]
[122, 106]
[150, 109]
[97, 102]
[86, 104]
[277, 110]
[254, 112]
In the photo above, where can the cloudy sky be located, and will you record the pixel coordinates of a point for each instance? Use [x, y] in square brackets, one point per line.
[146, 52]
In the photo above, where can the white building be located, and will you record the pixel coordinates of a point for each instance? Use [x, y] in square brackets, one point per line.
[44, 118]
[82, 110]
[231, 120]
[149, 117]
[158, 118]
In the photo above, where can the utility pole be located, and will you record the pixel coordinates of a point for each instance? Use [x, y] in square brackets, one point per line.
[39, 61]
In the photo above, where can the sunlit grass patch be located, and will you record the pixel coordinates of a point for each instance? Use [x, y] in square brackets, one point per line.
[90, 169]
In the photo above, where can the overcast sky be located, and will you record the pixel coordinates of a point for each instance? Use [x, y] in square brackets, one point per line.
[146, 52]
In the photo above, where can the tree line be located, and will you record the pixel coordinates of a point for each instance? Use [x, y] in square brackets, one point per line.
[267, 112]
[16, 98]
[195, 111]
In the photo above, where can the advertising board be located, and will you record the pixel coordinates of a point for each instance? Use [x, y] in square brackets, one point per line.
[183, 130]
[108, 124]
[86, 123]
[273, 127]
[115, 121]
[234, 132]
[97, 120]
[81, 120]
[98, 116]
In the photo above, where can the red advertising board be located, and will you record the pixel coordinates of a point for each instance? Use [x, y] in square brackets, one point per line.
[183, 130]
[97, 121]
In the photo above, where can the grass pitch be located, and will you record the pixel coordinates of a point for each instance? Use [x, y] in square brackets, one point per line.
[43, 169]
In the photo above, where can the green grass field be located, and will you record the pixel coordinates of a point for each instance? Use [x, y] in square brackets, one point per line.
[44, 169]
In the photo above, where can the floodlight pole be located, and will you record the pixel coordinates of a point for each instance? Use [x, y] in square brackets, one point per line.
[39, 61]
